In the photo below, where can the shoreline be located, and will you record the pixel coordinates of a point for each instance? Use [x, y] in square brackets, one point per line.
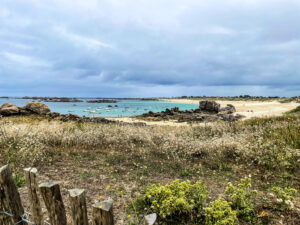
[259, 108]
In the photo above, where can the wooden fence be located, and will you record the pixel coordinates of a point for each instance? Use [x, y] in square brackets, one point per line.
[12, 211]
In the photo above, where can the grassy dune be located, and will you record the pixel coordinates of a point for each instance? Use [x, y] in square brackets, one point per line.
[122, 161]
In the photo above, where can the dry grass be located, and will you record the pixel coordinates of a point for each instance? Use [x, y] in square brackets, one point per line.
[129, 158]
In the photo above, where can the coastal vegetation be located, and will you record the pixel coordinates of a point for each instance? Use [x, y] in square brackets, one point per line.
[295, 111]
[135, 165]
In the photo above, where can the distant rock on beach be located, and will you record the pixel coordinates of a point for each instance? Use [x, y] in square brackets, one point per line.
[209, 106]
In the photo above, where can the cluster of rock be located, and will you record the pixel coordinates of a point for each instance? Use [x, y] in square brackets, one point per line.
[208, 111]
[9, 109]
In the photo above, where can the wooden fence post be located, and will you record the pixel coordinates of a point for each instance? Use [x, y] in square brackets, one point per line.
[53, 201]
[103, 213]
[12, 197]
[78, 207]
[35, 206]
[150, 219]
[4, 219]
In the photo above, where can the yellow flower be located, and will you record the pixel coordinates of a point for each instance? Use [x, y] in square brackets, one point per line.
[129, 216]
[214, 171]
[138, 194]
[157, 205]
[121, 192]
[116, 170]
[108, 187]
[126, 206]
[107, 164]
[289, 118]
[100, 197]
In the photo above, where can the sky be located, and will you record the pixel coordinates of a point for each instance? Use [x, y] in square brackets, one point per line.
[149, 48]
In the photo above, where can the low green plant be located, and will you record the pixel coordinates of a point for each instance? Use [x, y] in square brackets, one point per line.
[19, 180]
[242, 197]
[284, 197]
[178, 201]
[185, 173]
[219, 212]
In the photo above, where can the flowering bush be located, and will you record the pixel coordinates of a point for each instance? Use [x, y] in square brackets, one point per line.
[219, 212]
[284, 197]
[242, 197]
[178, 200]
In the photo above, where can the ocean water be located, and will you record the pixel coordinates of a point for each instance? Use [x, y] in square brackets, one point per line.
[123, 108]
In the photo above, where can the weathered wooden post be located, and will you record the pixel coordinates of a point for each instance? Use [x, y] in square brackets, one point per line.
[35, 206]
[11, 197]
[4, 219]
[53, 201]
[103, 213]
[78, 207]
[150, 219]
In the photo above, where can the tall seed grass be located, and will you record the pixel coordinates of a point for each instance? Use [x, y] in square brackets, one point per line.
[270, 144]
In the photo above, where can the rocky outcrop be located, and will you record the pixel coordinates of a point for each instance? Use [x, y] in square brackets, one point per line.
[9, 109]
[37, 107]
[209, 106]
[229, 109]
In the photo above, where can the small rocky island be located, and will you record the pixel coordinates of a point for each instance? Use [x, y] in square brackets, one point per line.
[54, 99]
[208, 111]
[102, 101]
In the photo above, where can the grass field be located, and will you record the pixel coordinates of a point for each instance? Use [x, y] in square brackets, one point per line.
[121, 161]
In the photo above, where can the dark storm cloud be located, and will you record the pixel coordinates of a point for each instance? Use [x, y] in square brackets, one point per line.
[149, 48]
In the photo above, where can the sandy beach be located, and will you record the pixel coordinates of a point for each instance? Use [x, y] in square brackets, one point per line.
[249, 109]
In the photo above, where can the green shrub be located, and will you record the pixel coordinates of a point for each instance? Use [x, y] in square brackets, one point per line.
[242, 197]
[19, 180]
[178, 200]
[284, 197]
[219, 212]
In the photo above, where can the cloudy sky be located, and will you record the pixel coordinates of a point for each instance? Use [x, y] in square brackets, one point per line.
[140, 48]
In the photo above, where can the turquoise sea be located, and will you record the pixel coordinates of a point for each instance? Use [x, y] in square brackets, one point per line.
[123, 108]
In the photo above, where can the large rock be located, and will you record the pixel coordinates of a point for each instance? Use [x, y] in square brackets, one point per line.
[209, 106]
[9, 109]
[37, 107]
[229, 109]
